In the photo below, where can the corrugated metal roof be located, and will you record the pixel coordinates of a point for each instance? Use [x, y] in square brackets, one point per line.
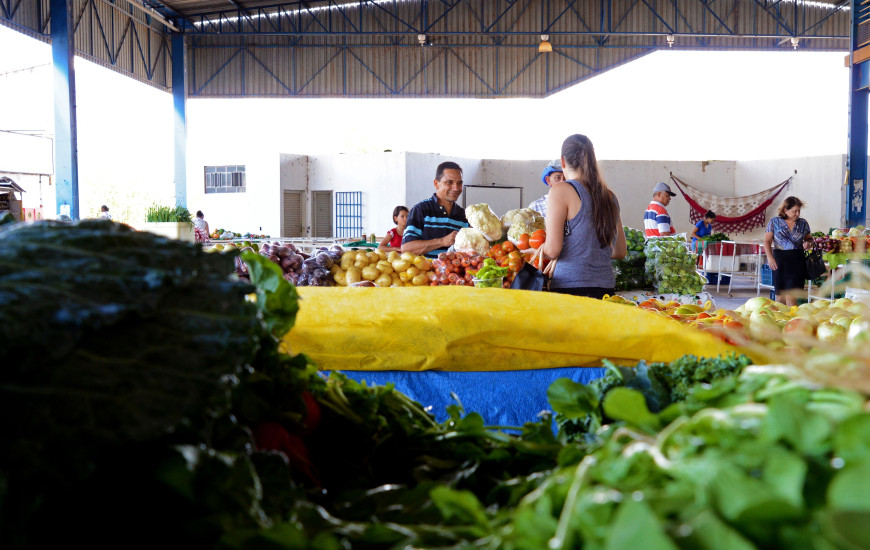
[372, 48]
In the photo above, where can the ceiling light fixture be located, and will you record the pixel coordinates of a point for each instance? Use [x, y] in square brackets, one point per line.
[795, 41]
[670, 39]
[545, 46]
[421, 38]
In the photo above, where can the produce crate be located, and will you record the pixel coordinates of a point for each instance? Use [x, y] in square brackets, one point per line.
[766, 275]
[858, 295]
[360, 244]
[715, 278]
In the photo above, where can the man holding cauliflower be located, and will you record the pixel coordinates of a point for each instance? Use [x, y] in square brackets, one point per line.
[434, 222]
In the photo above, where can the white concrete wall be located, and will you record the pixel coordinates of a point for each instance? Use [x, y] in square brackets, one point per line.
[257, 210]
[633, 182]
[380, 177]
[818, 184]
[517, 173]
[390, 179]
[26, 154]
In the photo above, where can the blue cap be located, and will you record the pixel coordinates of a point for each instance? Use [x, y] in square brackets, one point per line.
[554, 166]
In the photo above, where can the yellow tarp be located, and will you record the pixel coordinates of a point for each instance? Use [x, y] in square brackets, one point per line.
[470, 329]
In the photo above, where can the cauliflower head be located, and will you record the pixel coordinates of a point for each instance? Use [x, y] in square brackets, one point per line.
[482, 218]
[471, 240]
[526, 215]
[517, 229]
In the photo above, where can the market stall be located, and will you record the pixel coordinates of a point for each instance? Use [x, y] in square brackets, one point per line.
[497, 350]
[169, 406]
[9, 202]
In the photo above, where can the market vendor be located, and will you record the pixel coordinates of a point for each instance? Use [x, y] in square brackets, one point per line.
[434, 222]
[551, 175]
[704, 228]
[656, 220]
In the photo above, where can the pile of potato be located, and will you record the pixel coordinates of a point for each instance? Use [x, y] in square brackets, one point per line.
[382, 268]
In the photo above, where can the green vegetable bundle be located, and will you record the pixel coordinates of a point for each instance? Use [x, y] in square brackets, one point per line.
[161, 213]
[762, 460]
[490, 274]
[670, 268]
[715, 237]
[630, 271]
[634, 239]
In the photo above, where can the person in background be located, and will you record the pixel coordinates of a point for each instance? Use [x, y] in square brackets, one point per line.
[104, 213]
[584, 229]
[703, 228]
[200, 228]
[551, 175]
[785, 239]
[656, 220]
[434, 222]
[393, 239]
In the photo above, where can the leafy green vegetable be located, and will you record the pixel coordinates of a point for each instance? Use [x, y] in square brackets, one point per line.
[162, 213]
[136, 430]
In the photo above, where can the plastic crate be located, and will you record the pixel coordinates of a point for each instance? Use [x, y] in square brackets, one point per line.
[713, 278]
[766, 275]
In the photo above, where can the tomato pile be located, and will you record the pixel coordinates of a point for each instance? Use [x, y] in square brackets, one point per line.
[454, 268]
[459, 268]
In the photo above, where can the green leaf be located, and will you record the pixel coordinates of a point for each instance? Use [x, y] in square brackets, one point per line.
[740, 497]
[852, 439]
[472, 422]
[848, 530]
[786, 473]
[710, 533]
[850, 488]
[571, 399]
[462, 506]
[789, 420]
[277, 299]
[636, 526]
[629, 405]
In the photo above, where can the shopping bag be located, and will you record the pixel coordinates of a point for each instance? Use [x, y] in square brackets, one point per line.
[529, 278]
[815, 264]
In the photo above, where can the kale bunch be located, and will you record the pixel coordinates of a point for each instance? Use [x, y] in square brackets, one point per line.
[121, 351]
[580, 408]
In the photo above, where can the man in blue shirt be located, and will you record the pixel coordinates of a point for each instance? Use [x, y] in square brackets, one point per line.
[434, 222]
[551, 176]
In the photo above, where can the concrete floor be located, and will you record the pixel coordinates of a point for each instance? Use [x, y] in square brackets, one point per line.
[742, 289]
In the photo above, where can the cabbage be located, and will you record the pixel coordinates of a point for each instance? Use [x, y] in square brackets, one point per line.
[482, 218]
[471, 240]
[517, 229]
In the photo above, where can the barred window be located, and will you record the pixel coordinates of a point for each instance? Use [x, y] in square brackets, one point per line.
[224, 179]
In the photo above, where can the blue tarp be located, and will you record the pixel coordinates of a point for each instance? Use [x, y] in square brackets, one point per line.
[502, 398]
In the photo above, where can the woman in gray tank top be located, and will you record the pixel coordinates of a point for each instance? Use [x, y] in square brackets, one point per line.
[584, 229]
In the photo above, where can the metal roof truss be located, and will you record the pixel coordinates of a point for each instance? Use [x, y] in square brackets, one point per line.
[458, 48]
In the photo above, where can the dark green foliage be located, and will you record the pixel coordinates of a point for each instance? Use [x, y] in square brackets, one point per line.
[113, 339]
[661, 384]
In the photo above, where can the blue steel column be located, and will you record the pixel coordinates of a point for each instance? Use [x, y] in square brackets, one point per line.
[179, 102]
[856, 165]
[66, 163]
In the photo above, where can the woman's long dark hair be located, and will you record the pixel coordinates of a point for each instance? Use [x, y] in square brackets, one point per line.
[579, 155]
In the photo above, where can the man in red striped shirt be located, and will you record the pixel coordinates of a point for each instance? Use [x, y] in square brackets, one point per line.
[656, 220]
